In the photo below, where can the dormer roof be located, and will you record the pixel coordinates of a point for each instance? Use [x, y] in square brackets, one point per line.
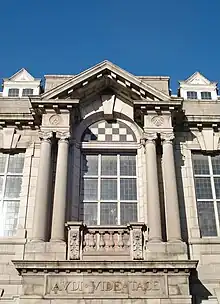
[197, 79]
[21, 76]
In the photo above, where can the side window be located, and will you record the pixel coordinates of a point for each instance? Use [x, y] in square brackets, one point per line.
[206, 170]
[191, 95]
[206, 95]
[13, 92]
[27, 92]
[11, 172]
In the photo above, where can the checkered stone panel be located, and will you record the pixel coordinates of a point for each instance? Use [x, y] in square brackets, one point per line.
[105, 131]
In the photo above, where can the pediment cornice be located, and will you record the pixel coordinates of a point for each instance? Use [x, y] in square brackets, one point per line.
[106, 70]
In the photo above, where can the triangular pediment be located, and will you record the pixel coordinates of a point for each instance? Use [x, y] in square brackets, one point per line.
[197, 79]
[106, 74]
[22, 75]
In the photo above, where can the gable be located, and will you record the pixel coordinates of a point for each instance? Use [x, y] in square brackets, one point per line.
[22, 75]
[105, 74]
[197, 79]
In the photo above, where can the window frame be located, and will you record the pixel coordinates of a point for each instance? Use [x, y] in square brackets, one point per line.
[13, 89]
[206, 98]
[214, 200]
[4, 199]
[26, 95]
[100, 176]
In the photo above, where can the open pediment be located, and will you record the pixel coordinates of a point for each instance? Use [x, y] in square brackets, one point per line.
[22, 75]
[100, 77]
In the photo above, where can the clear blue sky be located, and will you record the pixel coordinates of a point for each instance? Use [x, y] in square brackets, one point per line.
[145, 37]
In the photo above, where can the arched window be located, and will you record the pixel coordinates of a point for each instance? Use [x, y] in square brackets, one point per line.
[108, 176]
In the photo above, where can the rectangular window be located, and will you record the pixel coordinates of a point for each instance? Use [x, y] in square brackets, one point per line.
[27, 92]
[11, 171]
[207, 186]
[13, 92]
[206, 95]
[108, 189]
[191, 95]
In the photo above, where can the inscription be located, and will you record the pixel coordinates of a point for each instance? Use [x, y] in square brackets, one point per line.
[146, 286]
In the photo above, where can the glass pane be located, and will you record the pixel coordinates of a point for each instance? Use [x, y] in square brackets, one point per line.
[216, 164]
[203, 188]
[206, 215]
[128, 189]
[89, 213]
[128, 165]
[128, 213]
[108, 214]
[217, 186]
[13, 187]
[1, 186]
[16, 163]
[108, 189]
[90, 165]
[90, 189]
[109, 165]
[3, 158]
[11, 218]
[200, 164]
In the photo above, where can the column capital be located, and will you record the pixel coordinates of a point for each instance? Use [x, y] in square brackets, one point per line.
[167, 137]
[63, 136]
[46, 136]
[148, 137]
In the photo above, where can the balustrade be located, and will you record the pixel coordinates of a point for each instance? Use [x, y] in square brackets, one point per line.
[106, 242]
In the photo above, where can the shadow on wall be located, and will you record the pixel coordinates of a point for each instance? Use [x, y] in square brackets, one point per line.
[198, 291]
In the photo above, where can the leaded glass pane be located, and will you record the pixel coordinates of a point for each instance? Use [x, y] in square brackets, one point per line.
[90, 165]
[200, 164]
[3, 158]
[128, 165]
[1, 186]
[128, 212]
[90, 189]
[217, 186]
[216, 164]
[128, 189]
[108, 214]
[203, 188]
[11, 217]
[207, 221]
[16, 163]
[90, 213]
[13, 187]
[108, 189]
[109, 165]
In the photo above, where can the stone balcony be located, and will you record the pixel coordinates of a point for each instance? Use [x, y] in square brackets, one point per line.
[106, 242]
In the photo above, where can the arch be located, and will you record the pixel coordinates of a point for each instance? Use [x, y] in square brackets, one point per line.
[97, 117]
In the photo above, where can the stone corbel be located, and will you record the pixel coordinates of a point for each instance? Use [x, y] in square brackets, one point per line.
[208, 139]
[108, 102]
[10, 138]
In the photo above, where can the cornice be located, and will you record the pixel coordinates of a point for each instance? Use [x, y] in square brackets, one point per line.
[25, 267]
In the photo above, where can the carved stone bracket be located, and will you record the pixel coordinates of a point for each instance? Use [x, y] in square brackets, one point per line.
[74, 240]
[137, 230]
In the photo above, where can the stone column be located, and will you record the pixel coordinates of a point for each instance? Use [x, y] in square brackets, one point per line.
[170, 189]
[60, 191]
[153, 200]
[42, 191]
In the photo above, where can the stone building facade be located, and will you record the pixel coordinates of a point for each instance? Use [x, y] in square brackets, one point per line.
[110, 189]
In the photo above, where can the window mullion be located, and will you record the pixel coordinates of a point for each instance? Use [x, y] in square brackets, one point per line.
[99, 190]
[214, 194]
[118, 189]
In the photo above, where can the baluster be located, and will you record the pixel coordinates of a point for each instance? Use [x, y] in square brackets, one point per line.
[111, 243]
[120, 240]
[101, 241]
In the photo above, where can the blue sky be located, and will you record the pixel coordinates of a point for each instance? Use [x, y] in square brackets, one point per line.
[159, 37]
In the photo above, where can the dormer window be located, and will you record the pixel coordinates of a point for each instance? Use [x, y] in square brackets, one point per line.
[13, 92]
[191, 95]
[206, 95]
[27, 92]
